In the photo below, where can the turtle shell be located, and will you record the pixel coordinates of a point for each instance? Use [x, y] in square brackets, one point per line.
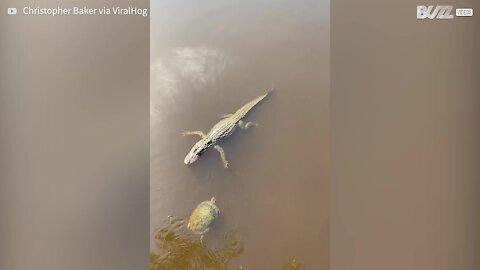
[203, 216]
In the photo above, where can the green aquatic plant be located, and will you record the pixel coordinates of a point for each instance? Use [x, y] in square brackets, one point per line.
[291, 265]
[180, 249]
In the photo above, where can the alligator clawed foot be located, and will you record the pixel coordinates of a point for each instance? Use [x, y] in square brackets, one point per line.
[196, 132]
[222, 155]
[223, 116]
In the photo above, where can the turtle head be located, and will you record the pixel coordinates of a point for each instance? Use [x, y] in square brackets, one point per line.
[197, 150]
[212, 200]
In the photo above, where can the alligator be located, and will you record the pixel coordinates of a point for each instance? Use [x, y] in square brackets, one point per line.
[222, 130]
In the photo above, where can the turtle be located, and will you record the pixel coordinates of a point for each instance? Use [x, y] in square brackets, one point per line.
[203, 216]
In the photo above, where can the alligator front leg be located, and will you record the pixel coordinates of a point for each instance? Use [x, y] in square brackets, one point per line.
[223, 116]
[246, 125]
[222, 155]
[197, 132]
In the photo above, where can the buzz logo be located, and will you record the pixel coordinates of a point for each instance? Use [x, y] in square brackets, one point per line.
[434, 12]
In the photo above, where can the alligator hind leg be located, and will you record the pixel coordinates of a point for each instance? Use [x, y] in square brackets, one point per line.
[222, 155]
[246, 125]
[197, 132]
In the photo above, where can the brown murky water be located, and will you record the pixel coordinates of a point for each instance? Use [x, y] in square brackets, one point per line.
[209, 58]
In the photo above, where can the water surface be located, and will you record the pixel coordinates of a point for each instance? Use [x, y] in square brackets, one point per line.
[211, 57]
